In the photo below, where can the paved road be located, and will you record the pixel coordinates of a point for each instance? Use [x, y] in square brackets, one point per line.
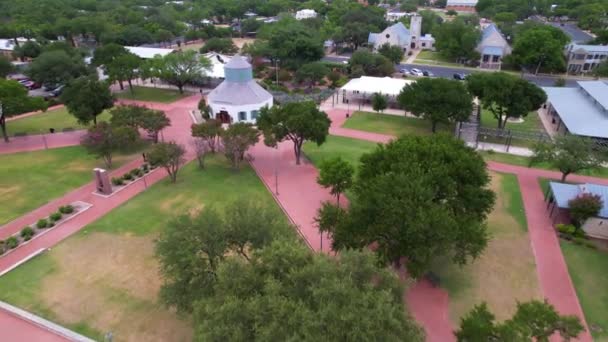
[448, 72]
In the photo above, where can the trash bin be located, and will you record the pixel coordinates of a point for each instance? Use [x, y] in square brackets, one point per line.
[52, 130]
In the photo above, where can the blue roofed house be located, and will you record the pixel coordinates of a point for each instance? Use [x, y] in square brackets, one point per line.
[559, 195]
[493, 47]
[399, 35]
[580, 110]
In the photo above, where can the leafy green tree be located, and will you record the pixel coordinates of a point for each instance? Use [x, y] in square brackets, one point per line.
[86, 98]
[295, 121]
[286, 293]
[446, 206]
[533, 321]
[56, 67]
[356, 23]
[569, 154]
[540, 46]
[392, 52]
[337, 175]
[220, 45]
[457, 40]
[329, 216]
[209, 131]
[379, 102]
[170, 156]
[601, 70]
[290, 41]
[29, 49]
[204, 108]
[123, 68]
[192, 247]
[6, 67]
[104, 139]
[237, 139]
[371, 64]
[584, 206]
[437, 100]
[154, 121]
[107, 53]
[15, 100]
[312, 73]
[505, 96]
[178, 68]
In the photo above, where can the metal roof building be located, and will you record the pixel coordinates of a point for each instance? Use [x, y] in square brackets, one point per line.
[583, 110]
[148, 52]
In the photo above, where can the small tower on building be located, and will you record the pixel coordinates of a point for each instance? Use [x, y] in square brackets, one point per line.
[238, 98]
[415, 31]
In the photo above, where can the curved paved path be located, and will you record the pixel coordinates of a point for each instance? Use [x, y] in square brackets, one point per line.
[552, 271]
[179, 130]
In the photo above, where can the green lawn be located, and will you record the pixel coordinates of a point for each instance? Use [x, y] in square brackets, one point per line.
[524, 161]
[587, 269]
[151, 94]
[506, 272]
[434, 58]
[531, 123]
[28, 180]
[105, 277]
[349, 149]
[396, 125]
[40, 123]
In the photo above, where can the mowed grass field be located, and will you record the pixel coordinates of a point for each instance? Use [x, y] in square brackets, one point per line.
[348, 149]
[105, 278]
[396, 125]
[506, 272]
[151, 94]
[58, 119]
[28, 180]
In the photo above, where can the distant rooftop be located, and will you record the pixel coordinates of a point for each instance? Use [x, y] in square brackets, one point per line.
[584, 109]
[370, 85]
[563, 193]
[588, 48]
[148, 52]
[461, 3]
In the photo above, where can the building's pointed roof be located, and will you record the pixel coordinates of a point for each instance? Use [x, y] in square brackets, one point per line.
[238, 62]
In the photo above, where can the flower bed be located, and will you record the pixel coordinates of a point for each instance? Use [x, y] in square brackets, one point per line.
[131, 176]
[63, 213]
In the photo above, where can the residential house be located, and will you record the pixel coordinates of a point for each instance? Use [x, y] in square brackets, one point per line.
[584, 58]
[7, 46]
[461, 5]
[493, 47]
[580, 110]
[399, 35]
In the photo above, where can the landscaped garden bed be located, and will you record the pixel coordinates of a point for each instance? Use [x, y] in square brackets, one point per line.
[132, 176]
[43, 225]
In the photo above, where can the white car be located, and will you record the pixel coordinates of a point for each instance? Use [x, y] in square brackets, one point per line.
[416, 72]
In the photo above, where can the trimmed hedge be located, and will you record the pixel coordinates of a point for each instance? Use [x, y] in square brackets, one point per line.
[12, 242]
[27, 233]
[66, 209]
[55, 216]
[42, 223]
[117, 181]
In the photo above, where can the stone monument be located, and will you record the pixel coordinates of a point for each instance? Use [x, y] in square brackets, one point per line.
[102, 181]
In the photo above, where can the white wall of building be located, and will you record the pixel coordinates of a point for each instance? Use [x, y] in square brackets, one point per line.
[234, 111]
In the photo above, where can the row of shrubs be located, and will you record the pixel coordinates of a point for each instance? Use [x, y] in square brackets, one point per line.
[27, 233]
[570, 233]
[131, 175]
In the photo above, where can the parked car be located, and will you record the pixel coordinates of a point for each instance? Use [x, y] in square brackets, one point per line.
[50, 86]
[460, 76]
[57, 91]
[416, 72]
[31, 85]
[428, 73]
[404, 71]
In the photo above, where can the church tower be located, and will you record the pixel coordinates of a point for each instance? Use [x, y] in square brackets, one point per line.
[415, 31]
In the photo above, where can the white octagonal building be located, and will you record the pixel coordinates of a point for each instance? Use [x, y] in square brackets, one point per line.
[238, 98]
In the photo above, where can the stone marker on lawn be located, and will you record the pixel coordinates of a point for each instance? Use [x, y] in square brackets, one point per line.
[102, 181]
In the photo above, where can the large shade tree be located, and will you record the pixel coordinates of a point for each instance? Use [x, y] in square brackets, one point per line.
[285, 293]
[86, 98]
[505, 96]
[178, 69]
[295, 121]
[457, 40]
[437, 100]
[540, 47]
[104, 140]
[15, 100]
[419, 198]
[56, 67]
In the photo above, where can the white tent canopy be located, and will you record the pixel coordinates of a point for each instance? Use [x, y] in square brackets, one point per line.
[367, 85]
[147, 52]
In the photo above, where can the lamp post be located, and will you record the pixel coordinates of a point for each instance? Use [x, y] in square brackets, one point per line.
[276, 69]
[276, 171]
[3, 123]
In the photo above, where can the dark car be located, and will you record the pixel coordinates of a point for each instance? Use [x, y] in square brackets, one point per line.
[460, 77]
[427, 73]
[57, 91]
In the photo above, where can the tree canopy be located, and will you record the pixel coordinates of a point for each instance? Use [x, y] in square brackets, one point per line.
[178, 69]
[295, 121]
[457, 40]
[419, 198]
[392, 52]
[220, 45]
[540, 47]
[505, 96]
[170, 156]
[286, 293]
[56, 67]
[104, 139]
[438, 100]
[337, 175]
[368, 63]
[86, 98]
[15, 100]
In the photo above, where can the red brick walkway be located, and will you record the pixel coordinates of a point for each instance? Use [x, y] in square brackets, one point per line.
[16, 329]
[178, 112]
